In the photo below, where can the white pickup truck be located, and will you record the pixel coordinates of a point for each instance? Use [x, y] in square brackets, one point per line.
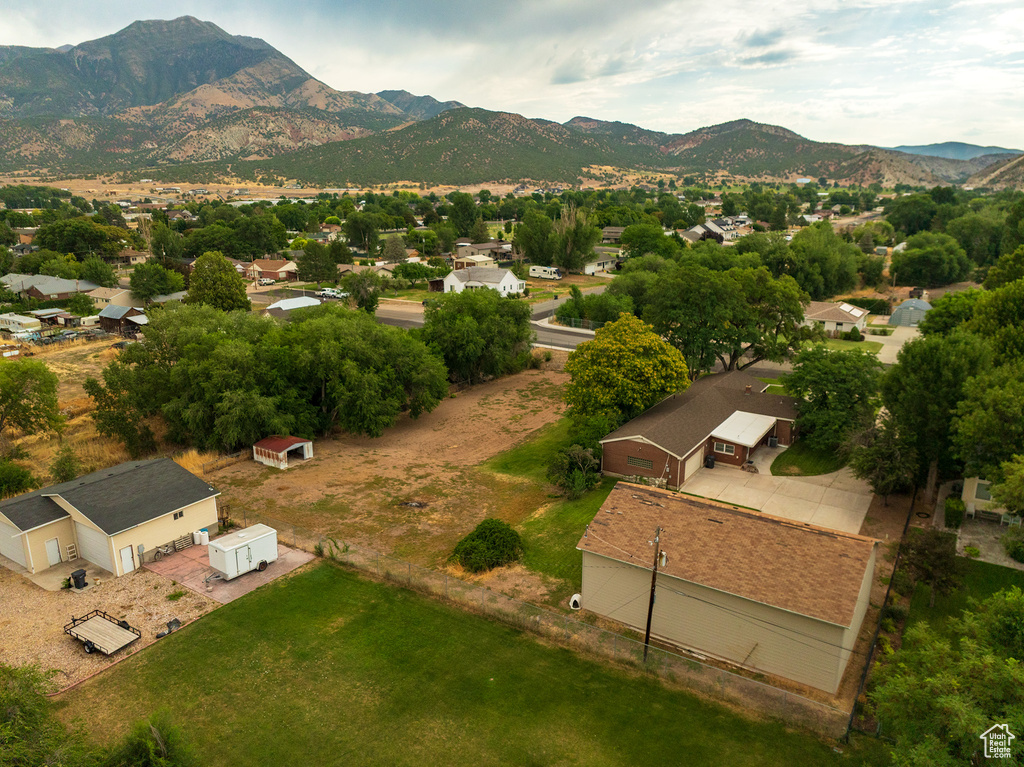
[331, 293]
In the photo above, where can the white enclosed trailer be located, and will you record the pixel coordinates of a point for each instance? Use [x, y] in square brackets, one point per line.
[237, 553]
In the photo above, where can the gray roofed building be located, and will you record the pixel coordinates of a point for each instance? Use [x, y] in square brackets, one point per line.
[45, 287]
[910, 313]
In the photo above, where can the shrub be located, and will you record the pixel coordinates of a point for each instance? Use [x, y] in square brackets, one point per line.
[902, 583]
[575, 470]
[855, 335]
[972, 552]
[955, 510]
[897, 613]
[1013, 544]
[14, 479]
[65, 465]
[492, 544]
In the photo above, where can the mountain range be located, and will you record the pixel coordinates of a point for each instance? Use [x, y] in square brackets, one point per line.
[185, 100]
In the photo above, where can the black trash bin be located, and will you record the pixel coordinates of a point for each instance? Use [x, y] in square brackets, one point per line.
[709, 462]
[78, 578]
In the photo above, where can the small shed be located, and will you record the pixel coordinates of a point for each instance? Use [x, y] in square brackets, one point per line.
[273, 451]
[909, 313]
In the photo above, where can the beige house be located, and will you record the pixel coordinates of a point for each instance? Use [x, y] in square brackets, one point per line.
[114, 518]
[761, 592]
[103, 297]
[466, 261]
[835, 317]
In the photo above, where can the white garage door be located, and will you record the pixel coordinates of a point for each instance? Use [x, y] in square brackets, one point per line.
[693, 465]
[94, 546]
[10, 546]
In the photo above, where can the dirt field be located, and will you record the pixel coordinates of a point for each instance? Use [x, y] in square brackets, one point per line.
[357, 488]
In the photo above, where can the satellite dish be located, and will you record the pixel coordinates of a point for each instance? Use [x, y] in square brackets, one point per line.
[576, 601]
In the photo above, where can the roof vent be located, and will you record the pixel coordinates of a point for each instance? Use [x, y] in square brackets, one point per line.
[716, 521]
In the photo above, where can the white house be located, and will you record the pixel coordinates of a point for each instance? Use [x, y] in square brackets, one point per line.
[835, 317]
[501, 280]
[602, 260]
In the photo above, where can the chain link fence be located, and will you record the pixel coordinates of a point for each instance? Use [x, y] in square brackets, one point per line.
[710, 681]
[574, 322]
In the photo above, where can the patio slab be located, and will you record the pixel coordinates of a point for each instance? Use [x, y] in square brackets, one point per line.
[191, 567]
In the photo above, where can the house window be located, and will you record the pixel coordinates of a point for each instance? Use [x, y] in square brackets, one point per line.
[725, 447]
[981, 493]
[179, 514]
[641, 463]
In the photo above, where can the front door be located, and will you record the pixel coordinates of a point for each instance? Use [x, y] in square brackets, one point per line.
[53, 552]
[127, 560]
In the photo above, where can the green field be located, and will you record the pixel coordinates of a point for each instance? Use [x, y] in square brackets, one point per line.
[981, 580]
[800, 460]
[327, 668]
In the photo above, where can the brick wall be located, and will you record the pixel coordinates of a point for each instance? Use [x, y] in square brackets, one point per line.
[615, 460]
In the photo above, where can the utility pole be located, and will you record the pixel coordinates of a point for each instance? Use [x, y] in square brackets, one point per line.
[654, 581]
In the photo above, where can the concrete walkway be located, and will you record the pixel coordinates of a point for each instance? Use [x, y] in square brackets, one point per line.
[891, 345]
[838, 501]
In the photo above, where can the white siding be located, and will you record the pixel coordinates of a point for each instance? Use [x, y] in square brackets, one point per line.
[715, 623]
[94, 546]
[11, 547]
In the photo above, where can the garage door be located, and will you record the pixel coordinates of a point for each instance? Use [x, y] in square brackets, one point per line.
[94, 546]
[693, 465]
[10, 546]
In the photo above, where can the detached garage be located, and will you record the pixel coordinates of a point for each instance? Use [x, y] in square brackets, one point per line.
[114, 518]
[758, 591]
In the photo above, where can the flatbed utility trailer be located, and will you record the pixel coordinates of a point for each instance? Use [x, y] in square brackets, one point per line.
[102, 632]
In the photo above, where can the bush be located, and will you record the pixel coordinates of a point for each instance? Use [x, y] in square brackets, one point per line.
[972, 552]
[14, 479]
[65, 466]
[855, 335]
[897, 613]
[492, 544]
[902, 582]
[575, 470]
[1013, 544]
[955, 510]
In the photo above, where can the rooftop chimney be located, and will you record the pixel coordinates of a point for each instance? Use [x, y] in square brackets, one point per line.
[748, 389]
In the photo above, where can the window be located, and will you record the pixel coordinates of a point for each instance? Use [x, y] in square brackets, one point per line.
[179, 514]
[982, 493]
[641, 463]
[724, 447]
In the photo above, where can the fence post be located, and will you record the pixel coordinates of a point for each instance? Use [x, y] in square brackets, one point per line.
[377, 565]
[446, 585]
[408, 569]
[482, 605]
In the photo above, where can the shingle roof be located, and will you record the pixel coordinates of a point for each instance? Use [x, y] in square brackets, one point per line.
[488, 274]
[680, 422]
[46, 284]
[114, 499]
[114, 312]
[827, 311]
[794, 566]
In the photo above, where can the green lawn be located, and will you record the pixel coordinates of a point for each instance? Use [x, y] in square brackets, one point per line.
[326, 668]
[532, 458]
[774, 386]
[839, 344]
[981, 579]
[801, 460]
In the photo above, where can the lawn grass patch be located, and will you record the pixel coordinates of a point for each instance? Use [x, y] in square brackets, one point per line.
[531, 458]
[838, 344]
[801, 460]
[774, 386]
[326, 667]
[981, 580]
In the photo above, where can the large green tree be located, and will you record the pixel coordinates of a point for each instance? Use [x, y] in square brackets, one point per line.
[836, 394]
[479, 334]
[930, 259]
[315, 264]
[534, 238]
[622, 372]
[950, 312]
[150, 279]
[28, 397]
[365, 287]
[1009, 268]
[821, 262]
[215, 282]
[999, 317]
[574, 239]
[884, 458]
[989, 424]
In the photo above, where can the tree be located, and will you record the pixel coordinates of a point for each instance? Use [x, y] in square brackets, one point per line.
[574, 239]
[931, 557]
[99, 272]
[912, 214]
[15, 479]
[150, 279]
[922, 390]
[463, 212]
[881, 457]
[1009, 268]
[950, 312]
[28, 397]
[120, 407]
[835, 391]
[641, 239]
[820, 261]
[479, 334]
[316, 264]
[216, 283]
[930, 259]
[999, 317]
[989, 425]
[361, 230]
[940, 690]
[81, 305]
[365, 287]
[394, 249]
[534, 238]
[480, 231]
[65, 465]
[1008, 492]
[622, 372]
[978, 235]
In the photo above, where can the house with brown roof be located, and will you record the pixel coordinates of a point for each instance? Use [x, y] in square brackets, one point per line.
[728, 416]
[835, 317]
[761, 592]
[273, 269]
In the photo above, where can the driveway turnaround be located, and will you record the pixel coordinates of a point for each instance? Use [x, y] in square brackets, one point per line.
[191, 567]
[837, 501]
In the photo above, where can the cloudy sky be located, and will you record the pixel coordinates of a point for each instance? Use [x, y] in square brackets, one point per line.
[884, 72]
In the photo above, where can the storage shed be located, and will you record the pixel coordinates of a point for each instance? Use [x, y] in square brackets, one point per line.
[761, 592]
[273, 451]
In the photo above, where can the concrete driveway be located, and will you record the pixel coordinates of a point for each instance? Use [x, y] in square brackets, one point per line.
[838, 501]
[891, 345]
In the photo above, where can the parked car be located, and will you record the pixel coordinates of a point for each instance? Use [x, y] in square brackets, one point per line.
[328, 293]
[266, 281]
